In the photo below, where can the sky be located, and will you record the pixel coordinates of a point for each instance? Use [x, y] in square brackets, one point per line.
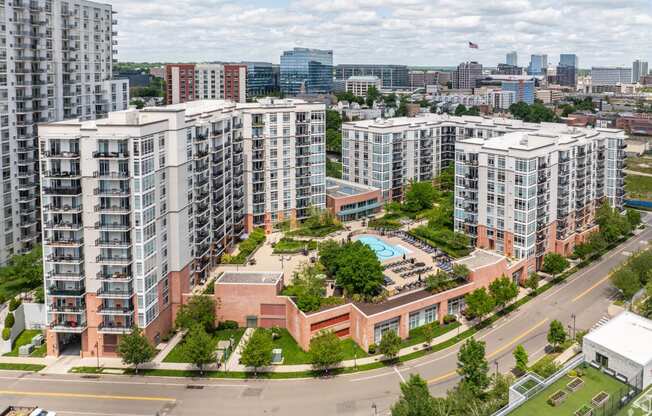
[410, 32]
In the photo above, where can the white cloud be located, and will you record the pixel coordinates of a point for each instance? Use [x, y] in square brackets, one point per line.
[414, 32]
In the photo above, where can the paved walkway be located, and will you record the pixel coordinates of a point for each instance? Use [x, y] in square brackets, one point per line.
[234, 360]
[169, 346]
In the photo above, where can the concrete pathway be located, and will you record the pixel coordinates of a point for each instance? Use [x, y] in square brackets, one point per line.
[169, 346]
[234, 360]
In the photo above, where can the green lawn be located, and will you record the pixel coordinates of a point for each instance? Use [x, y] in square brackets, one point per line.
[21, 367]
[638, 187]
[176, 355]
[640, 164]
[636, 410]
[594, 382]
[25, 338]
[416, 335]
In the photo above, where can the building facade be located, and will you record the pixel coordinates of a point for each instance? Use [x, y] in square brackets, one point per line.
[528, 193]
[260, 79]
[359, 85]
[500, 99]
[139, 207]
[538, 64]
[511, 58]
[567, 70]
[180, 83]
[391, 76]
[506, 69]
[56, 62]
[466, 75]
[608, 76]
[639, 69]
[523, 90]
[189, 82]
[307, 71]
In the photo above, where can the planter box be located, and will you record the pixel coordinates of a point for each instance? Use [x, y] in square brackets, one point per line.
[557, 398]
[584, 411]
[600, 399]
[575, 384]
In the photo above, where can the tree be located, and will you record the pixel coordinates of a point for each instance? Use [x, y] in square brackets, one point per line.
[372, 95]
[556, 334]
[415, 399]
[472, 365]
[461, 271]
[633, 217]
[627, 281]
[199, 347]
[554, 263]
[357, 269]
[641, 264]
[503, 290]
[533, 280]
[460, 110]
[419, 196]
[521, 358]
[428, 333]
[447, 178]
[258, 351]
[325, 351]
[135, 349]
[199, 310]
[479, 303]
[390, 345]
[307, 287]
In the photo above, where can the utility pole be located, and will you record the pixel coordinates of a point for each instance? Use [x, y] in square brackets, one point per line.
[574, 328]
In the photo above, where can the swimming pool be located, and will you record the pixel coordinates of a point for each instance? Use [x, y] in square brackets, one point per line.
[382, 249]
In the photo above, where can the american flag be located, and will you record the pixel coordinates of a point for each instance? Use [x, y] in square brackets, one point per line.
[473, 45]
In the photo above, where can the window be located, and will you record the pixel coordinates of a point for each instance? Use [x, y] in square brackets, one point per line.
[381, 328]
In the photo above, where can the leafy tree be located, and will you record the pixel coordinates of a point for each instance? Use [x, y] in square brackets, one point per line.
[556, 334]
[258, 351]
[428, 333]
[135, 349]
[390, 345]
[419, 196]
[333, 169]
[355, 268]
[612, 224]
[461, 271]
[521, 358]
[447, 178]
[633, 217]
[627, 281]
[503, 290]
[554, 263]
[329, 252]
[199, 310]
[641, 264]
[325, 351]
[307, 287]
[23, 272]
[479, 303]
[372, 95]
[472, 365]
[460, 110]
[415, 399]
[199, 347]
[533, 280]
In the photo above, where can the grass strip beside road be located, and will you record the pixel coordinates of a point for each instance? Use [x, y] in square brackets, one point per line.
[21, 367]
[380, 364]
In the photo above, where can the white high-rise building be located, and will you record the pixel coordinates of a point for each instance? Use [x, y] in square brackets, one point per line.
[56, 62]
[138, 207]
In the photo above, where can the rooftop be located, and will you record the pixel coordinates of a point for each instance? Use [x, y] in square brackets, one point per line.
[363, 78]
[257, 278]
[480, 258]
[338, 188]
[628, 335]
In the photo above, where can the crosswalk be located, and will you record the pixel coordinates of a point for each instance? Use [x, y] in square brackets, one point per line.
[602, 321]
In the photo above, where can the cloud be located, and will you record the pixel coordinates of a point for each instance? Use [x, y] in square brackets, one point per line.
[413, 32]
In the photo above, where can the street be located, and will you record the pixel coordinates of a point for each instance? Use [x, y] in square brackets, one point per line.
[585, 294]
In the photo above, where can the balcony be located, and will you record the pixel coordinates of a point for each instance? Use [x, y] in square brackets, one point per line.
[114, 294]
[59, 154]
[65, 258]
[111, 155]
[111, 192]
[76, 327]
[57, 208]
[111, 175]
[67, 308]
[117, 209]
[117, 277]
[64, 242]
[62, 225]
[65, 276]
[57, 174]
[115, 310]
[114, 243]
[62, 190]
[114, 260]
[66, 292]
[114, 328]
[112, 227]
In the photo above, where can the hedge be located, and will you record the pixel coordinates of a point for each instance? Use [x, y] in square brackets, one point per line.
[246, 247]
[10, 320]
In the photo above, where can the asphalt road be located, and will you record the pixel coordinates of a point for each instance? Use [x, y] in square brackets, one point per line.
[585, 294]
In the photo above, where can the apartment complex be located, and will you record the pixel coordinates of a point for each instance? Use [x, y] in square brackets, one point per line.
[466, 75]
[138, 207]
[56, 62]
[389, 153]
[188, 82]
[391, 76]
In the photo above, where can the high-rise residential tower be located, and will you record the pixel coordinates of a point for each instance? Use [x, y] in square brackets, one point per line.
[639, 68]
[56, 62]
[511, 58]
[306, 71]
[466, 75]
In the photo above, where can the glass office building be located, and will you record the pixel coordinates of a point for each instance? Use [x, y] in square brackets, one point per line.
[307, 71]
[391, 76]
[260, 79]
[523, 90]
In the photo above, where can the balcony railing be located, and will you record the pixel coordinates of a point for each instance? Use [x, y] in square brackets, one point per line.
[65, 276]
[66, 292]
[63, 190]
[62, 208]
[118, 260]
[58, 154]
[112, 227]
[114, 310]
[114, 277]
[111, 192]
[114, 328]
[114, 209]
[68, 326]
[111, 155]
[64, 242]
[114, 294]
[51, 225]
[67, 308]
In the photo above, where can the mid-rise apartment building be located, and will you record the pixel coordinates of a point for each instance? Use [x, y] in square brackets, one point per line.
[466, 75]
[389, 153]
[188, 82]
[500, 99]
[359, 85]
[138, 207]
[56, 62]
[179, 83]
[528, 193]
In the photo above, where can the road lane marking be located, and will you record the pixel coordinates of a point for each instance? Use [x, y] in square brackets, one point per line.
[374, 376]
[518, 338]
[498, 351]
[598, 283]
[101, 381]
[86, 396]
[399, 374]
[74, 412]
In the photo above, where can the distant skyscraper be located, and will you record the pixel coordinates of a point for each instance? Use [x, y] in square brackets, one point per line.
[567, 69]
[639, 68]
[512, 59]
[523, 90]
[538, 64]
[466, 74]
[308, 71]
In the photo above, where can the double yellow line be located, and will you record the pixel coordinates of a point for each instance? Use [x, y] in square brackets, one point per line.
[85, 396]
[494, 353]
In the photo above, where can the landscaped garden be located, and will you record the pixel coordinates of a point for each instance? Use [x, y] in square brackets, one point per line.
[25, 338]
[592, 385]
[23, 272]
[246, 247]
[320, 223]
[177, 355]
[287, 245]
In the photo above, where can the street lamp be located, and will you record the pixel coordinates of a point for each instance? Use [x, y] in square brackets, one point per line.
[496, 364]
[574, 330]
[97, 353]
[355, 358]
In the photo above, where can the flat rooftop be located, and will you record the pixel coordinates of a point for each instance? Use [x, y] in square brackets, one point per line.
[479, 258]
[338, 188]
[250, 278]
[628, 335]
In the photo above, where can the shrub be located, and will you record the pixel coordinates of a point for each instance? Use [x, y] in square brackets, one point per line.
[14, 304]
[6, 334]
[10, 320]
[545, 367]
[372, 348]
[246, 247]
[227, 325]
[449, 319]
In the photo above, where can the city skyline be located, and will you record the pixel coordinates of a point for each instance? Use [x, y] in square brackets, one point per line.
[377, 31]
